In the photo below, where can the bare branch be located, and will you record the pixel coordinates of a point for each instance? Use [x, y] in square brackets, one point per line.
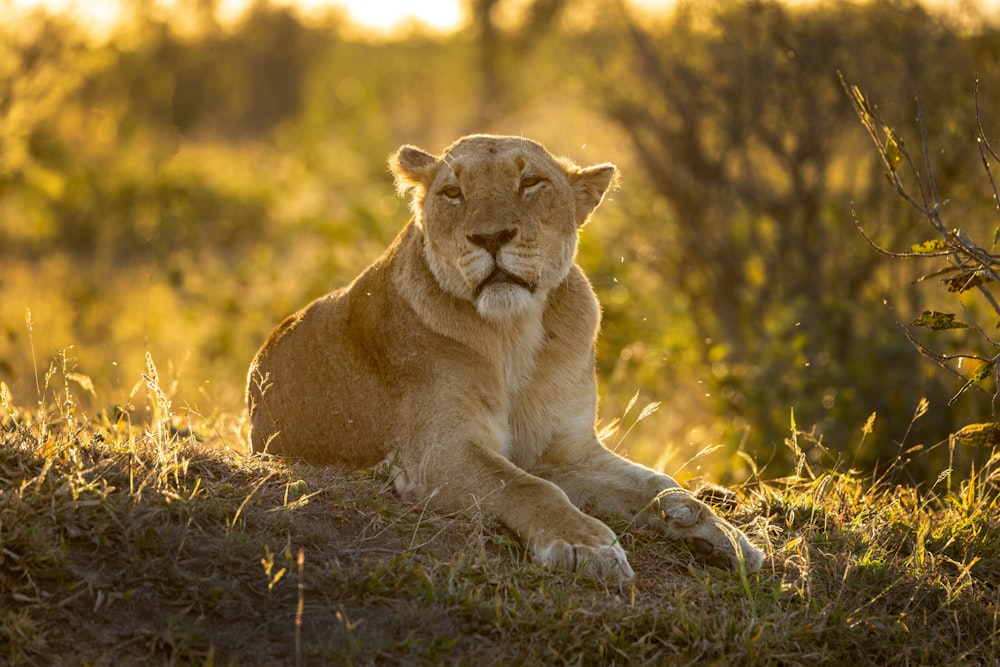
[892, 253]
[940, 359]
[976, 265]
[986, 149]
[871, 122]
[979, 123]
[925, 145]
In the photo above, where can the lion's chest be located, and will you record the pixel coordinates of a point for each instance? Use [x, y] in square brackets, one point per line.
[542, 396]
[518, 360]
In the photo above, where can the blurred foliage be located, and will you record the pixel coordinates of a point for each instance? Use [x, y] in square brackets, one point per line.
[742, 128]
[180, 190]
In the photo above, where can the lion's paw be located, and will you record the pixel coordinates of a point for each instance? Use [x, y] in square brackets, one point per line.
[602, 562]
[711, 539]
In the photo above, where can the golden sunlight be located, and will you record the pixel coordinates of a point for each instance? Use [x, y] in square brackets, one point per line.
[386, 15]
[379, 17]
[100, 17]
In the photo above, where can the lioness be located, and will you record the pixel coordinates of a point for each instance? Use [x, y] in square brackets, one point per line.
[464, 356]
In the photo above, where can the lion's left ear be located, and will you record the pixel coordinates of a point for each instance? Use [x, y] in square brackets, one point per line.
[589, 185]
[412, 168]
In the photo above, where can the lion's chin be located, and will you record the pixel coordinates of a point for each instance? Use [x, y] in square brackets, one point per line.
[504, 301]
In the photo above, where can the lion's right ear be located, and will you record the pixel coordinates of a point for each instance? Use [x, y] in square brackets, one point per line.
[589, 185]
[412, 168]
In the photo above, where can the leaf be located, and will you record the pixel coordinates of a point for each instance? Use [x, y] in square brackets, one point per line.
[984, 371]
[965, 281]
[893, 150]
[930, 247]
[979, 435]
[940, 272]
[936, 321]
[859, 99]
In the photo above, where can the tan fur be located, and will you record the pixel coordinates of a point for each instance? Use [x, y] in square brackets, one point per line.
[479, 394]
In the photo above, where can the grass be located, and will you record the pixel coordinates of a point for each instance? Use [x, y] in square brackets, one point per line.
[159, 543]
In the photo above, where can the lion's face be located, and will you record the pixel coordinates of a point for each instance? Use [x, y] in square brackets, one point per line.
[500, 217]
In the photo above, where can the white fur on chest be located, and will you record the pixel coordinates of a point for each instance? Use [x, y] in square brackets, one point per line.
[519, 343]
[524, 430]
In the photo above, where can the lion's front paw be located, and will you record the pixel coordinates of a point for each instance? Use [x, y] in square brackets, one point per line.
[710, 538]
[601, 562]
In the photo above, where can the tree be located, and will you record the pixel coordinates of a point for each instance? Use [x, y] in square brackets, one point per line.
[500, 46]
[739, 123]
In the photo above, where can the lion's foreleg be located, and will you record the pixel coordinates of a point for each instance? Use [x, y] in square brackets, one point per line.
[597, 477]
[553, 531]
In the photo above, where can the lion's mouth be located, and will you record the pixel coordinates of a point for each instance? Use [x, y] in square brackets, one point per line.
[500, 276]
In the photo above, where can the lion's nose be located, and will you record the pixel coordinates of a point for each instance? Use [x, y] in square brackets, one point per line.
[493, 241]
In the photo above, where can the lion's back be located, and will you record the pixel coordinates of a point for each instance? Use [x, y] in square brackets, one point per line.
[312, 392]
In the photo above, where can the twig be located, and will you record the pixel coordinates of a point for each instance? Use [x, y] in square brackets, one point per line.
[986, 149]
[941, 359]
[892, 253]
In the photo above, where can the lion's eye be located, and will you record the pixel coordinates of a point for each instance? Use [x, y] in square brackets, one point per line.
[452, 192]
[529, 182]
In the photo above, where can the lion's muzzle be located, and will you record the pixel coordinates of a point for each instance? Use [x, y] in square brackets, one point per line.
[500, 276]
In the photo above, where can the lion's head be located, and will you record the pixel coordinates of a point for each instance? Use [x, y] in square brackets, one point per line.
[500, 217]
